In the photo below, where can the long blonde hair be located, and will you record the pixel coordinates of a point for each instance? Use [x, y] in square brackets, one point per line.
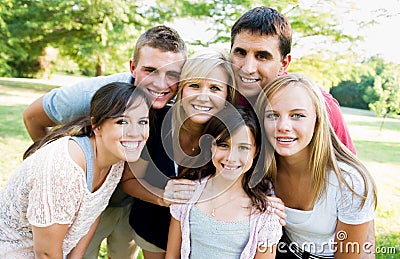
[326, 148]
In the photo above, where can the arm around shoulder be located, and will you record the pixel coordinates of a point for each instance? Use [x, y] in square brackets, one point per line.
[36, 121]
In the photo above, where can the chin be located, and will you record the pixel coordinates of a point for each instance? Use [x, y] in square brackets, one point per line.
[231, 176]
[158, 105]
[200, 118]
[132, 157]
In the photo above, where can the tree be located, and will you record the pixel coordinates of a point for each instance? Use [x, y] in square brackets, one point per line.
[387, 88]
[91, 32]
[98, 34]
[318, 22]
[375, 85]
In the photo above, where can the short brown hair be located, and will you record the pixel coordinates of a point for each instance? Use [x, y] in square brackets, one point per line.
[265, 21]
[160, 37]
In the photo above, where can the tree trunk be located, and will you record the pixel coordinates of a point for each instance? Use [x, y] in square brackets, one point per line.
[100, 67]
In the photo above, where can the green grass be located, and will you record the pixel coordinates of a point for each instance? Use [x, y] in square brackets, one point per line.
[377, 146]
[376, 151]
[29, 85]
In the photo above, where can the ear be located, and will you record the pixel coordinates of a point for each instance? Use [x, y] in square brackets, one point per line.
[132, 68]
[96, 129]
[285, 64]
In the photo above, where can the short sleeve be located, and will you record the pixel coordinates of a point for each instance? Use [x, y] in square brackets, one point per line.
[349, 211]
[176, 211]
[66, 103]
[58, 186]
[270, 230]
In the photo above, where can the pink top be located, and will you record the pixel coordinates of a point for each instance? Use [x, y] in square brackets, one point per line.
[265, 229]
[337, 120]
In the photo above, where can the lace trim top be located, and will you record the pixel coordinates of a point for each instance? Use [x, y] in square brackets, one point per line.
[50, 188]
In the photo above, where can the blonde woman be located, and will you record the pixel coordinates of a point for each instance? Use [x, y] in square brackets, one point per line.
[207, 86]
[329, 195]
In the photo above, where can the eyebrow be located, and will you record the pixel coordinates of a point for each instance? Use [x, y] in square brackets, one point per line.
[149, 67]
[246, 144]
[293, 110]
[124, 116]
[217, 83]
[265, 53]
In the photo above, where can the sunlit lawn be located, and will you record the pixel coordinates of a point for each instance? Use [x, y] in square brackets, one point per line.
[378, 146]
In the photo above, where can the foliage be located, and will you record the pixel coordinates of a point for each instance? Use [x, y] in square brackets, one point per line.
[387, 89]
[351, 93]
[93, 33]
[98, 34]
[377, 88]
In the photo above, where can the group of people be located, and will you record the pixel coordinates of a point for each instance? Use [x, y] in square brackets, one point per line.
[210, 156]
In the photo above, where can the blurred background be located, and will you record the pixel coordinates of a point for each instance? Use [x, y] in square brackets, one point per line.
[349, 47]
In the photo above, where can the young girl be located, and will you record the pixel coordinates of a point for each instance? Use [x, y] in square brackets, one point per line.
[226, 218]
[329, 195]
[49, 206]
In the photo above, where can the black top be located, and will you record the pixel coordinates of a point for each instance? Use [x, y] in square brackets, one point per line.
[150, 221]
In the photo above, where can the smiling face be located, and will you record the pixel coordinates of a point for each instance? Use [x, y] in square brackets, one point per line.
[290, 121]
[257, 61]
[125, 136]
[157, 73]
[234, 157]
[206, 97]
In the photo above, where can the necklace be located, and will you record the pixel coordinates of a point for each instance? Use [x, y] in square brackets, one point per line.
[215, 208]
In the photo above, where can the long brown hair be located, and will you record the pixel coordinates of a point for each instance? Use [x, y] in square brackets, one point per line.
[219, 129]
[110, 101]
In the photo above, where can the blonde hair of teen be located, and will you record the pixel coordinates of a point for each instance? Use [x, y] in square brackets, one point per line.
[326, 148]
[197, 68]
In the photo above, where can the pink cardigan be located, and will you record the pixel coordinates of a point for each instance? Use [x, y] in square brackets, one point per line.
[265, 229]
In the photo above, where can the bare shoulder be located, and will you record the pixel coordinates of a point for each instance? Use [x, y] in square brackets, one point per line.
[76, 153]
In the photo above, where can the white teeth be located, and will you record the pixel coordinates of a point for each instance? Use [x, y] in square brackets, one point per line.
[227, 167]
[285, 139]
[246, 80]
[131, 144]
[201, 108]
[157, 94]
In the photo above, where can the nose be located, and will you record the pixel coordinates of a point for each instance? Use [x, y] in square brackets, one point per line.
[249, 65]
[233, 155]
[283, 124]
[204, 94]
[160, 81]
[133, 130]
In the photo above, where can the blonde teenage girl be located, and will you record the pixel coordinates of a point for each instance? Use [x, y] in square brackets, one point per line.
[329, 195]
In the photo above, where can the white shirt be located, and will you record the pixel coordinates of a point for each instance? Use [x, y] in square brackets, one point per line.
[314, 231]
